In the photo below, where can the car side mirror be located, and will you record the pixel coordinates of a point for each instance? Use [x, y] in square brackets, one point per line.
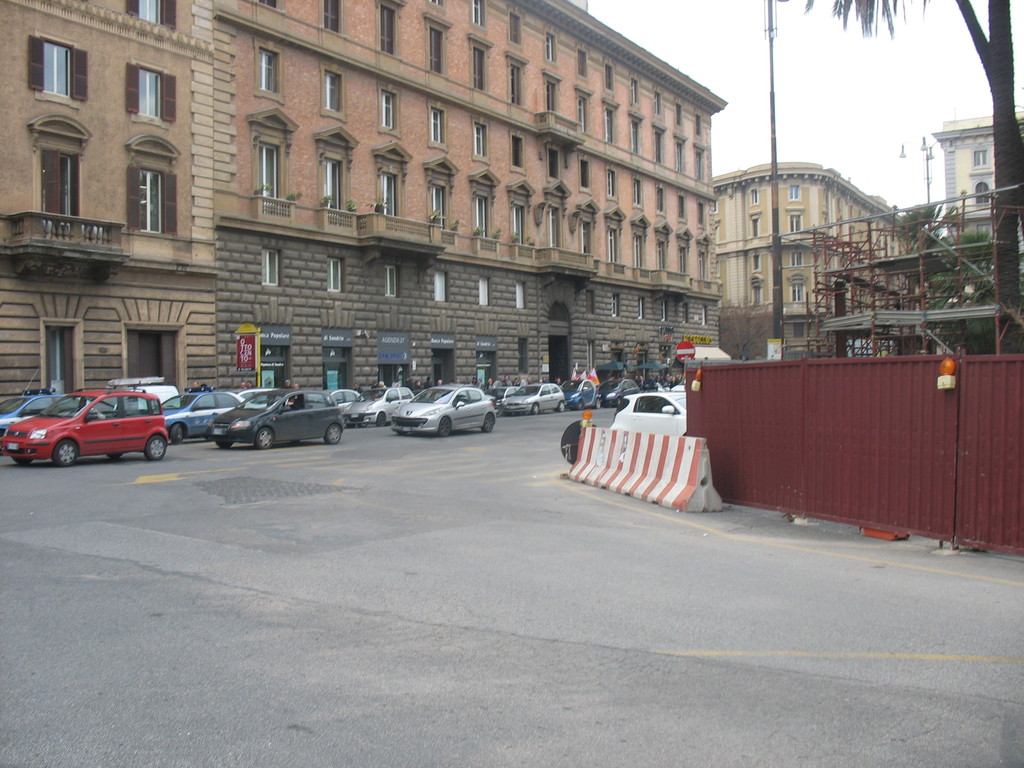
[668, 409]
[92, 416]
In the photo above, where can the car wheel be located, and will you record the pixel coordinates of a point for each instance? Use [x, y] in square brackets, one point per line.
[444, 428]
[561, 406]
[333, 434]
[23, 462]
[264, 438]
[224, 443]
[156, 448]
[176, 433]
[488, 424]
[382, 419]
[65, 453]
[535, 409]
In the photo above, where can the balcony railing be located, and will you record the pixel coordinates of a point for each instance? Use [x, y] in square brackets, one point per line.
[67, 230]
[52, 246]
[272, 209]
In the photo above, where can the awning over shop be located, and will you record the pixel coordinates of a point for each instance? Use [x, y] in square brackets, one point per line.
[710, 353]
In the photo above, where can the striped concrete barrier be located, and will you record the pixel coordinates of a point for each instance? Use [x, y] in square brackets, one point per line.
[670, 471]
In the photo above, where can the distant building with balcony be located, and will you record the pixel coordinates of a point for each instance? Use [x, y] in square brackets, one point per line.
[107, 260]
[809, 197]
[399, 190]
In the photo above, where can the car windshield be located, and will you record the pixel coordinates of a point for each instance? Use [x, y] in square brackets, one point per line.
[371, 395]
[12, 404]
[609, 385]
[68, 406]
[178, 401]
[434, 395]
[530, 389]
[261, 401]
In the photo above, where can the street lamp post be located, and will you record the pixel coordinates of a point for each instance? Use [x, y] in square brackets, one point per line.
[776, 240]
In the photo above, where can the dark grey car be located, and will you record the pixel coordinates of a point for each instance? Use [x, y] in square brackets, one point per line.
[279, 416]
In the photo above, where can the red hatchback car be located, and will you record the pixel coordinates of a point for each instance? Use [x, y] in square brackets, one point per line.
[90, 423]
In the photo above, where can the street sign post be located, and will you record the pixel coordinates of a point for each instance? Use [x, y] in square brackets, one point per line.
[685, 350]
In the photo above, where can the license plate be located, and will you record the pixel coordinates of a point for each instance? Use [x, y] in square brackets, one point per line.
[218, 430]
[12, 446]
[405, 429]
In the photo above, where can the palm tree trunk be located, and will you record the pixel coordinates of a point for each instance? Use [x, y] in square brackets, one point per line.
[996, 54]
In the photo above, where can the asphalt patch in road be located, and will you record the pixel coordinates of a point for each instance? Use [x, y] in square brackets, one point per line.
[246, 490]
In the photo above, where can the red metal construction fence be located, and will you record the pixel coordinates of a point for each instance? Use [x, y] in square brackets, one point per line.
[873, 442]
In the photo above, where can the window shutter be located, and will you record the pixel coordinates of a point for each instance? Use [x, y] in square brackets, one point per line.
[169, 110]
[134, 198]
[170, 13]
[170, 201]
[51, 180]
[36, 70]
[133, 7]
[80, 75]
[131, 89]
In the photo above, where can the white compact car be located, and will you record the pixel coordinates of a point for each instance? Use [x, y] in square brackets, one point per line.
[376, 406]
[661, 413]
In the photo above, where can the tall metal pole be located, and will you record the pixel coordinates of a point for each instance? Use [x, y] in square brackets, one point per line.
[777, 328]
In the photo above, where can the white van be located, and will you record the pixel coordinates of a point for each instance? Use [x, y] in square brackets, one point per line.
[152, 384]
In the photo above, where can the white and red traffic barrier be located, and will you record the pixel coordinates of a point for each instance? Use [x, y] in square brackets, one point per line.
[671, 471]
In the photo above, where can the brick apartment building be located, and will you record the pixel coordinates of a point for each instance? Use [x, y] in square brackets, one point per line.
[390, 190]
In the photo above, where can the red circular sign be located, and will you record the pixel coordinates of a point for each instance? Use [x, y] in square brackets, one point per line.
[685, 351]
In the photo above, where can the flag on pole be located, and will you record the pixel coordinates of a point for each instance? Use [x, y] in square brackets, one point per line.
[576, 372]
[593, 375]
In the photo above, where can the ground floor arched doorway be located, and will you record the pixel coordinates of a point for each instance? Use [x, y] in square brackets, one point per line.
[558, 342]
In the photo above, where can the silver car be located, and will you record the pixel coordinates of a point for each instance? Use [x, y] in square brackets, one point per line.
[376, 406]
[444, 409]
[534, 398]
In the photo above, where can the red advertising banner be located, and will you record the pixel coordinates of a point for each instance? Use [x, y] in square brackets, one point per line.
[245, 347]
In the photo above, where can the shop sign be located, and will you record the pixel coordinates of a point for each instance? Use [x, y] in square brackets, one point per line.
[442, 340]
[393, 348]
[335, 337]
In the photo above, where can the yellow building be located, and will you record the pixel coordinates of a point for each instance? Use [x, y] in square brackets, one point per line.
[810, 197]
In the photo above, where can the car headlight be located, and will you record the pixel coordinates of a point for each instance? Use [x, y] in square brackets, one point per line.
[431, 412]
[37, 434]
[240, 424]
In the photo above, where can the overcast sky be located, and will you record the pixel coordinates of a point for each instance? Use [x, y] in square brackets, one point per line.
[842, 101]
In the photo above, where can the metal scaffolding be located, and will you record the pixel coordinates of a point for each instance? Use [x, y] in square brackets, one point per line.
[892, 284]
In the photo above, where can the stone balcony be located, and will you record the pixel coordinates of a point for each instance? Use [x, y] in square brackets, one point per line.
[52, 246]
[405, 239]
[559, 130]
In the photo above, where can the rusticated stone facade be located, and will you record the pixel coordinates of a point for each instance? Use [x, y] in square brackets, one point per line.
[516, 232]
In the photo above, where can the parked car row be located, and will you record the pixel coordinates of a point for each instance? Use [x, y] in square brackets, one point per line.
[112, 422]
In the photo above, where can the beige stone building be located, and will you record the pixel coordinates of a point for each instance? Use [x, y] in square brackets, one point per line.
[396, 190]
[968, 148]
[107, 265]
[810, 197]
